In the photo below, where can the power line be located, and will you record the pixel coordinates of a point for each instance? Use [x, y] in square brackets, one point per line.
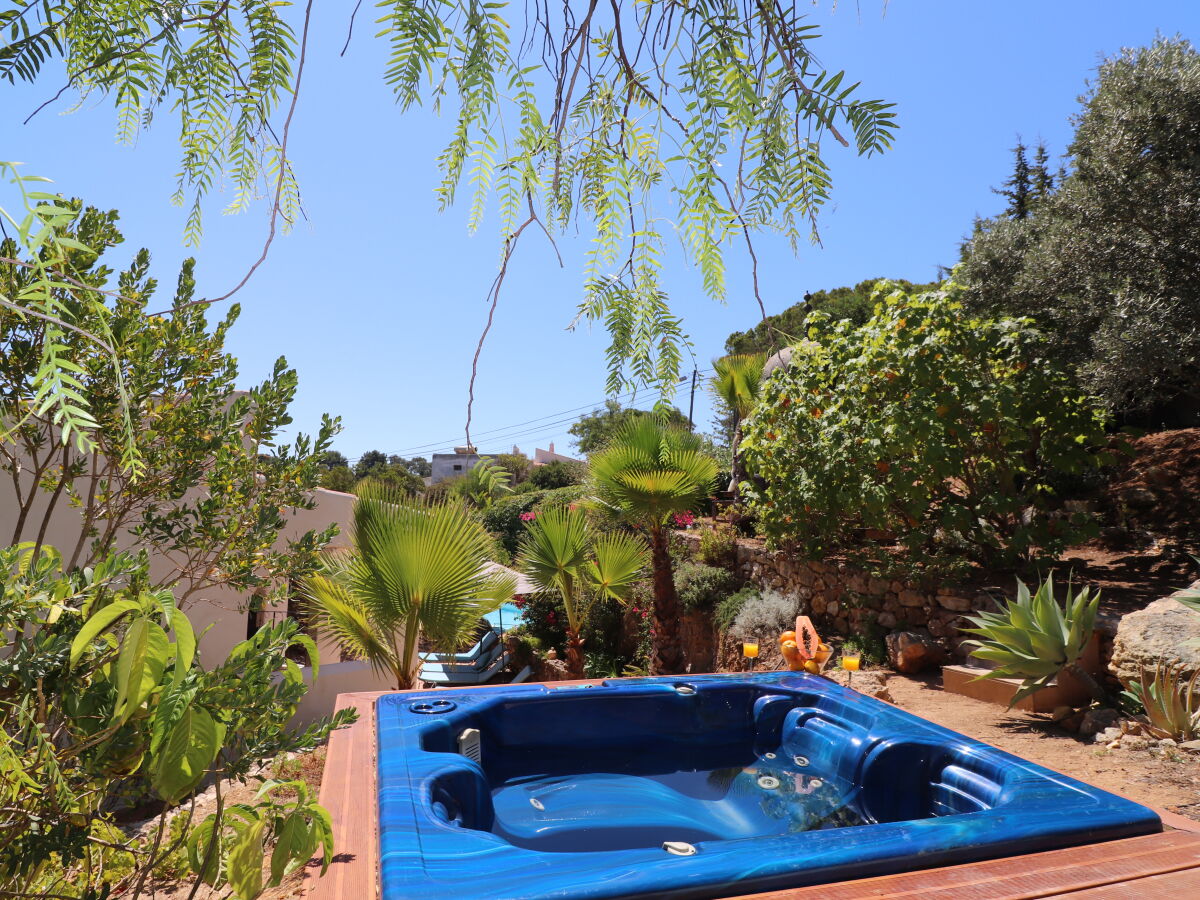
[517, 430]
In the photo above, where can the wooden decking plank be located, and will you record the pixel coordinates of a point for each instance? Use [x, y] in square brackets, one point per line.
[344, 788]
[1177, 885]
[1035, 875]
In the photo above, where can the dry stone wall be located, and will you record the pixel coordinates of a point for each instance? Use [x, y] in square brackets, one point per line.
[846, 600]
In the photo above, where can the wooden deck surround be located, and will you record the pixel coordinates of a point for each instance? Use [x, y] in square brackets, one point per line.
[1154, 867]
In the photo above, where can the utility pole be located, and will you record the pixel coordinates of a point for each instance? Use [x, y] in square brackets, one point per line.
[692, 401]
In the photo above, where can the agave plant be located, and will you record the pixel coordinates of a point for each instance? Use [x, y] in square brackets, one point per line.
[649, 472]
[1034, 638]
[415, 568]
[560, 554]
[1170, 699]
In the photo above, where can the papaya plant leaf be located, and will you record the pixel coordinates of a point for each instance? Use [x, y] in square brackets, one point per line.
[244, 867]
[188, 752]
[97, 623]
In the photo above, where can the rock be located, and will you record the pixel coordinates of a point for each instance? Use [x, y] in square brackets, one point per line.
[872, 684]
[1098, 720]
[954, 603]
[911, 598]
[1168, 743]
[1072, 722]
[1139, 498]
[1134, 742]
[1165, 630]
[1061, 713]
[1194, 746]
[554, 670]
[886, 620]
[913, 651]
[1111, 736]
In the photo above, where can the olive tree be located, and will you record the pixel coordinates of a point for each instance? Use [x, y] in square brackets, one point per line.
[1107, 261]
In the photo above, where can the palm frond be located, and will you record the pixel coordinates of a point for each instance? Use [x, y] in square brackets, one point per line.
[737, 381]
[343, 616]
[651, 471]
[620, 559]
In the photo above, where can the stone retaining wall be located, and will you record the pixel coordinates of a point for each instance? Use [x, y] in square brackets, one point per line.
[846, 600]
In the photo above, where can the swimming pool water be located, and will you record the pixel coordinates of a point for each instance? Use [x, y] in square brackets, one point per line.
[700, 787]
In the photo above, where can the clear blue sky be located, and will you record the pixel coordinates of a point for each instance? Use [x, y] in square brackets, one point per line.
[377, 299]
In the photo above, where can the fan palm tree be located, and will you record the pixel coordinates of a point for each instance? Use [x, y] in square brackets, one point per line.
[560, 554]
[415, 567]
[737, 382]
[648, 473]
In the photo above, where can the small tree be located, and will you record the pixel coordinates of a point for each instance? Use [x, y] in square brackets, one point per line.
[598, 428]
[213, 481]
[560, 554]
[648, 473]
[1106, 260]
[941, 428]
[737, 383]
[103, 700]
[415, 568]
[557, 474]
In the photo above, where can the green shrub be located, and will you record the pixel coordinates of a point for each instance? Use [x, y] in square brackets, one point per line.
[702, 587]
[503, 518]
[728, 609]
[107, 666]
[718, 545]
[938, 428]
[557, 474]
[765, 616]
[870, 645]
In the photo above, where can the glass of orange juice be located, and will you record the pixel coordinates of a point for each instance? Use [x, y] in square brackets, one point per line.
[750, 651]
[851, 662]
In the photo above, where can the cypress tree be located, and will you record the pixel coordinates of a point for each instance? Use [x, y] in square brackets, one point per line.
[1041, 178]
[1017, 189]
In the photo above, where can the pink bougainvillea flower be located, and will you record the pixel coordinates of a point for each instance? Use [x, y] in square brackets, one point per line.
[528, 516]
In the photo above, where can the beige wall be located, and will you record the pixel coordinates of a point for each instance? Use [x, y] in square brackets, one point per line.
[334, 679]
[220, 610]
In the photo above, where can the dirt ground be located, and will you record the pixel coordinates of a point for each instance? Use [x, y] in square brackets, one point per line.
[1169, 781]
[307, 767]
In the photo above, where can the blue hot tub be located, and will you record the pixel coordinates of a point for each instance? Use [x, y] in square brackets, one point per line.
[695, 787]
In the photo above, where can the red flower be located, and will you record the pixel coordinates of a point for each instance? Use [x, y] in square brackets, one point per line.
[528, 516]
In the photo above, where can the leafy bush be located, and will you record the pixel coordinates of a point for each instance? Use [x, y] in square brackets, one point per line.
[925, 423]
[103, 702]
[503, 518]
[718, 545]
[702, 587]
[1033, 638]
[556, 474]
[728, 609]
[545, 626]
[764, 616]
